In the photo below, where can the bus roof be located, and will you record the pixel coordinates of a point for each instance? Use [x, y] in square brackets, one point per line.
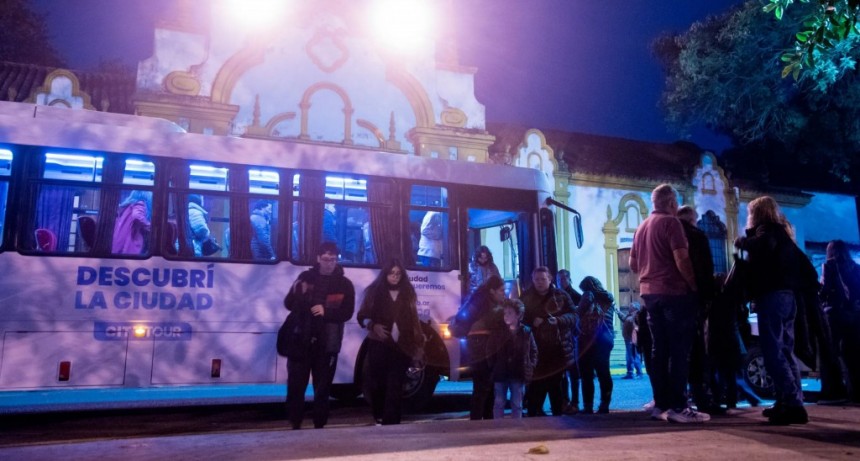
[63, 128]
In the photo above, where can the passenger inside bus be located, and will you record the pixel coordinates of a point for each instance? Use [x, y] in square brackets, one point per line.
[261, 237]
[430, 243]
[132, 226]
[198, 219]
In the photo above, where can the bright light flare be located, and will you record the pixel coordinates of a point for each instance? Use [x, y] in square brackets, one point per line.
[139, 331]
[403, 25]
[257, 15]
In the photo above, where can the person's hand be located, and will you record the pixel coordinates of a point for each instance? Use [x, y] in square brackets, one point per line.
[537, 322]
[380, 331]
[318, 310]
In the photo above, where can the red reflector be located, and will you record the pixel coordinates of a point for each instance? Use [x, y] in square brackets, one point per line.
[216, 368]
[65, 371]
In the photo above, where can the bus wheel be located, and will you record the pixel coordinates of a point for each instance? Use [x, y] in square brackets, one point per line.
[419, 387]
[755, 373]
[344, 392]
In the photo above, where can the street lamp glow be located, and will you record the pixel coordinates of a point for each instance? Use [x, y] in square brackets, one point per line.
[256, 15]
[403, 25]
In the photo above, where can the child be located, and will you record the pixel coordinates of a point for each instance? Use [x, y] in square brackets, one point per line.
[514, 360]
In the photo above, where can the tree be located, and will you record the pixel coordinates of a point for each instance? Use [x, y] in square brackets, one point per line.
[724, 73]
[826, 23]
[24, 36]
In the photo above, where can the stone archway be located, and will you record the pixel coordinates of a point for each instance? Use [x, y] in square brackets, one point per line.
[628, 203]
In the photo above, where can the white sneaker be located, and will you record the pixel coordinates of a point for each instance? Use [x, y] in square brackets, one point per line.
[648, 407]
[687, 415]
[659, 415]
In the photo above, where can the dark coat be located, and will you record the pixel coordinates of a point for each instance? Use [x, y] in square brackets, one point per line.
[336, 293]
[556, 349]
[703, 263]
[516, 355]
[379, 308]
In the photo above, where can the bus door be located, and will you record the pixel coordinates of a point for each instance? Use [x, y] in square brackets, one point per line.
[506, 234]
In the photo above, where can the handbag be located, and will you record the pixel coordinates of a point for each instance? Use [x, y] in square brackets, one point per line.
[290, 343]
[209, 246]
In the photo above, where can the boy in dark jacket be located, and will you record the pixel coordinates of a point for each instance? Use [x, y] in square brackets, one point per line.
[322, 299]
[514, 360]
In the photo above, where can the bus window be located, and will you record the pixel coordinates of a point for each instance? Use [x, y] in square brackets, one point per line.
[5, 172]
[139, 172]
[328, 211]
[428, 226]
[263, 181]
[264, 228]
[61, 214]
[73, 167]
[207, 226]
[207, 177]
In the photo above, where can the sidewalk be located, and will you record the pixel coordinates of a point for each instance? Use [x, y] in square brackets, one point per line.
[831, 434]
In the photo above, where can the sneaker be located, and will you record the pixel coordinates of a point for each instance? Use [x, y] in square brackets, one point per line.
[648, 407]
[687, 415]
[659, 415]
[627, 376]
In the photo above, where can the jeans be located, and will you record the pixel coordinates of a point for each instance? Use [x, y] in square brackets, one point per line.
[501, 389]
[671, 321]
[594, 359]
[776, 311]
[633, 359]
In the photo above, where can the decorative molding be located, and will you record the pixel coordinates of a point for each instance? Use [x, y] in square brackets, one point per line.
[327, 50]
[416, 95]
[182, 82]
[246, 58]
[454, 117]
[45, 95]
[373, 130]
[305, 106]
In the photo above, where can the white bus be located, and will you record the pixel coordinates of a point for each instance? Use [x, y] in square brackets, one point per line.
[80, 308]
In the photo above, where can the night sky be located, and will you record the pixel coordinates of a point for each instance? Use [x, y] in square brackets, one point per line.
[575, 65]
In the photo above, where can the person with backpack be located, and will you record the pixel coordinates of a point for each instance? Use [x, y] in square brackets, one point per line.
[596, 338]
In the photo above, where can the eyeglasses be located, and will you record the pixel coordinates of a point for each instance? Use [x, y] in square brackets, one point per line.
[328, 259]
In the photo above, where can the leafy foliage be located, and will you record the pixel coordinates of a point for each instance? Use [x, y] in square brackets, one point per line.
[724, 73]
[826, 24]
[24, 36]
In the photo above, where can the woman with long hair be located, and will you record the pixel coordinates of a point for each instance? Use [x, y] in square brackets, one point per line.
[841, 280]
[481, 267]
[596, 338]
[775, 274]
[395, 339]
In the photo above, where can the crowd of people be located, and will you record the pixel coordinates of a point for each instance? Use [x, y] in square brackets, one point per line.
[553, 340]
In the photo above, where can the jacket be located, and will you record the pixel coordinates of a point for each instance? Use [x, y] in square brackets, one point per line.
[700, 256]
[261, 239]
[336, 293]
[129, 229]
[773, 263]
[555, 342]
[379, 308]
[515, 355]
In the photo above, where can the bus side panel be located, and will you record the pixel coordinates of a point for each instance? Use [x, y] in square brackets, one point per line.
[216, 358]
[60, 359]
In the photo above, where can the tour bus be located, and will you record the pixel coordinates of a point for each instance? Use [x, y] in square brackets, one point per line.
[177, 306]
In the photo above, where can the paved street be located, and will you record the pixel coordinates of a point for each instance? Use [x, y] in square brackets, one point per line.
[258, 431]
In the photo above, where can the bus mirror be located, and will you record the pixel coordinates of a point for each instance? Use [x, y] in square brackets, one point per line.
[577, 229]
[505, 233]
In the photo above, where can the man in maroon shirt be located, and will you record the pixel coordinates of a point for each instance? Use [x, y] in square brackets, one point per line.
[667, 284]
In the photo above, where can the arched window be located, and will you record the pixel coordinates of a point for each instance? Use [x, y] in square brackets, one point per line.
[711, 225]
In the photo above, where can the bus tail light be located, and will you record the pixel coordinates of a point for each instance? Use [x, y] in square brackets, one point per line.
[65, 371]
[216, 368]
[139, 331]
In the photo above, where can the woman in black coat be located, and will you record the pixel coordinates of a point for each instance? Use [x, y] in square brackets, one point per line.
[395, 340]
[596, 311]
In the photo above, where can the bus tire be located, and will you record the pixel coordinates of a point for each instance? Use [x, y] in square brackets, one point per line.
[755, 373]
[419, 387]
